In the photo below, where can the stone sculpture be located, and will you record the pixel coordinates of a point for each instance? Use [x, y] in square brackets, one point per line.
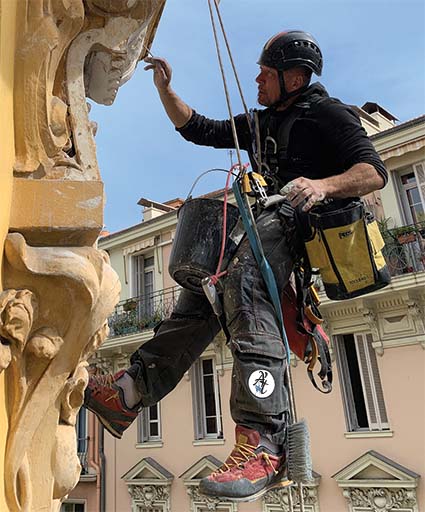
[58, 289]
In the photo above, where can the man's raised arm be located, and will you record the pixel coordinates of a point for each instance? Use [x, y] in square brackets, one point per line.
[177, 110]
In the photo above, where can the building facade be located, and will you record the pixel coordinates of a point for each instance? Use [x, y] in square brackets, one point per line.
[367, 436]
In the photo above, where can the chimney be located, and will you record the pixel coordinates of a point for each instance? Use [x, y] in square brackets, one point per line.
[153, 209]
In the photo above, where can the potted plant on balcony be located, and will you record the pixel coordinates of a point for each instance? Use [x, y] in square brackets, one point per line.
[406, 235]
[130, 305]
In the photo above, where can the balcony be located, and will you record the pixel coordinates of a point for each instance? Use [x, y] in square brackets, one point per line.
[405, 249]
[144, 312]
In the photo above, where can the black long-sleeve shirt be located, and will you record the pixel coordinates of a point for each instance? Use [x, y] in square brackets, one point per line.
[325, 139]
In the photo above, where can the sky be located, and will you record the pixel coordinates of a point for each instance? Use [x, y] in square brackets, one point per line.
[374, 50]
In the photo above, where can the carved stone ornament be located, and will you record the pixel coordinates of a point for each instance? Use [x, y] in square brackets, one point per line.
[280, 497]
[68, 50]
[52, 318]
[150, 495]
[382, 499]
[208, 503]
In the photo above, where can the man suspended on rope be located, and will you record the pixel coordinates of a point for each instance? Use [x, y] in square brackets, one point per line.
[307, 139]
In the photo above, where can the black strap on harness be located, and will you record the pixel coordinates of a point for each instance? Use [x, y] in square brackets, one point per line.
[276, 140]
[317, 349]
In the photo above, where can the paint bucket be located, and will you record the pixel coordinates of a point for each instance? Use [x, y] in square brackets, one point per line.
[197, 243]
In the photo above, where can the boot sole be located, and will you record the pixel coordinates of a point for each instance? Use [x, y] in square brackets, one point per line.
[254, 497]
[106, 424]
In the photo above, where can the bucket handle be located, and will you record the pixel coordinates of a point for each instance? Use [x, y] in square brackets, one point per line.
[189, 195]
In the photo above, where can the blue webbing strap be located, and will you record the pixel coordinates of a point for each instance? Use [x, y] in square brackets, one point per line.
[262, 262]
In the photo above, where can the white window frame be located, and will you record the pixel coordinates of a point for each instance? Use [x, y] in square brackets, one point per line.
[199, 406]
[418, 170]
[143, 508]
[372, 391]
[145, 309]
[143, 425]
[73, 501]
[82, 413]
[138, 266]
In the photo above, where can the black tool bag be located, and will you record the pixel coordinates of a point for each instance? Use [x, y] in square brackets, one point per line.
[346, 246]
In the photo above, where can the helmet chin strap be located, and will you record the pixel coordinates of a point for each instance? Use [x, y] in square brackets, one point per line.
[284, 95]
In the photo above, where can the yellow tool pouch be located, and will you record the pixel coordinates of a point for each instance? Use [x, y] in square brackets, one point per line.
[346, 246]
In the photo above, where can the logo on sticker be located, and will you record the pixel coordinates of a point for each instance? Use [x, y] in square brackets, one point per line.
[261, 383]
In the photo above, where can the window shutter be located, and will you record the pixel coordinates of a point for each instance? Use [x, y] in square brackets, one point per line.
[420, 178]
[381, 409]
[367, 380]
[142, 427]
[372, 387]
[195, 379]
[137, 275]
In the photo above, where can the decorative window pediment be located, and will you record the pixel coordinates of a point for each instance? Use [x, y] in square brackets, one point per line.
[191, 478]
[277, 500]
[374, 483]
[149, 486]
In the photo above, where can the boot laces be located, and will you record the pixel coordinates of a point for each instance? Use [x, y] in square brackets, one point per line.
[100, 382]
[242, 453]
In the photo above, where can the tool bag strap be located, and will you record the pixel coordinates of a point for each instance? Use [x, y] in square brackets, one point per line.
[274, 133]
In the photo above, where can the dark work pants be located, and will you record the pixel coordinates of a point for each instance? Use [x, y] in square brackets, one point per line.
[259, 397]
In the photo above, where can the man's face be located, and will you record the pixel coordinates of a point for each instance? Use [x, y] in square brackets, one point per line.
[268, 86]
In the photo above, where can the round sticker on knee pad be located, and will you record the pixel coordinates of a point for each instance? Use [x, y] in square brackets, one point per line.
[261, 383]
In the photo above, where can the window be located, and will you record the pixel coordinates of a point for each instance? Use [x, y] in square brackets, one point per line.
[206, 400]
[81, 427]
[73, 507]
[360, 383]
[149, 424]
[144, 268]
[412, 189]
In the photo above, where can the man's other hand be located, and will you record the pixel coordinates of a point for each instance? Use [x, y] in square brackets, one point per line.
[161, 72]
[303, 190]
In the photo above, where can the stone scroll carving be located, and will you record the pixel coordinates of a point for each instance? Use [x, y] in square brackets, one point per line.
[68, 50]
[52, 318]
[382, 499]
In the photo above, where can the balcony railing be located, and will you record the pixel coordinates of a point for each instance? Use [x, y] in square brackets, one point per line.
[143, 312]
[82, 450]
[405, 249]
[404, 252]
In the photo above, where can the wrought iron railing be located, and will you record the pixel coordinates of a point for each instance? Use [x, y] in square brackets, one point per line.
[83, 457]
[143, 312]
[404, 252]
[404, 249]
[82, 447]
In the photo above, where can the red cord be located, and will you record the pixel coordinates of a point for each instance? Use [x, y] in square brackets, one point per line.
[214, 278]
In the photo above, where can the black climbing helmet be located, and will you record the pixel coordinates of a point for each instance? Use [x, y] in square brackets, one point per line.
[291, 49]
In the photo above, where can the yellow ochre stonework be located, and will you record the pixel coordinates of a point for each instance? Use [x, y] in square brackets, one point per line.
[57, 289]
[7, 51]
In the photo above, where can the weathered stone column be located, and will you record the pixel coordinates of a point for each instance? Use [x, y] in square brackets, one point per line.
[57, 288]
[7, 156]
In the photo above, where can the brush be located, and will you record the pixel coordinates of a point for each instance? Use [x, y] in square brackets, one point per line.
[300, 467]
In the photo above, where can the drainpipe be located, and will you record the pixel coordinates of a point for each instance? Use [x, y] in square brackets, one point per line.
[93, 459]
[102, 463]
